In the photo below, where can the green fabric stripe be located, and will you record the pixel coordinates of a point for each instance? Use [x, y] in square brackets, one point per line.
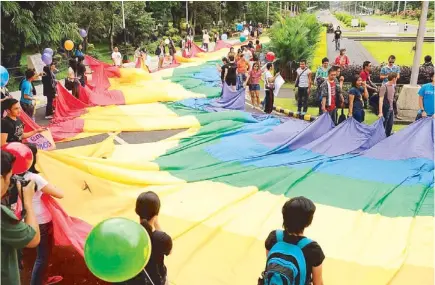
[190, 162]
[184, 77]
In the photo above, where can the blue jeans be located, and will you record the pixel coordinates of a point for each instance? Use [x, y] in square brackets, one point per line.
[43, 252]
[388, 122]
[241, 77]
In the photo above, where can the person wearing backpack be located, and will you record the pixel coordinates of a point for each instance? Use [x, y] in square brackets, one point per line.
[330, 92]
[292, 258]
[386, 99]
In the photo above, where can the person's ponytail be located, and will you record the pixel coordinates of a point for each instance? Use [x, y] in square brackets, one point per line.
[147, 207]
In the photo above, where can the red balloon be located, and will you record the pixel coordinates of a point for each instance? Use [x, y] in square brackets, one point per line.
[270, 56]
[23, 155]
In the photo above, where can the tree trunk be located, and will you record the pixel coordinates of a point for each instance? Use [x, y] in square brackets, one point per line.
[194, 22]
[111, 33]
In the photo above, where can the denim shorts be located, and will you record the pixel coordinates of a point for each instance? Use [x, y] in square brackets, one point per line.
[254, 87]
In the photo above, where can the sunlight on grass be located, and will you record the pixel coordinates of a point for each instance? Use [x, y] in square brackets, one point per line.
[402, 50]
[429, 23]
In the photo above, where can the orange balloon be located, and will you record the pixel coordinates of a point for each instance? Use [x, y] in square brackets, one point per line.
[69, 45]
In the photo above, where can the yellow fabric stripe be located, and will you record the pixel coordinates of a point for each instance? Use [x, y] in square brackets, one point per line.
[141, 117]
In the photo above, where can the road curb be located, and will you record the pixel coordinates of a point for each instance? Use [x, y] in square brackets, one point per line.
[289, 113]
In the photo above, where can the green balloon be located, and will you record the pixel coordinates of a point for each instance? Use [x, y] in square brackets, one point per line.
[242, 38]
[117, 249]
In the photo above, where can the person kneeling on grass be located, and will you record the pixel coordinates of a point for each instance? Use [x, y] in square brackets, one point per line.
[290, 255]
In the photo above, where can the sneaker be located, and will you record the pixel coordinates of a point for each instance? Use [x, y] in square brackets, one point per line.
[53, 280]
[48, 117]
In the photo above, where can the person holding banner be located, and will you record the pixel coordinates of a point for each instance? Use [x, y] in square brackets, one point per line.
[12, 128]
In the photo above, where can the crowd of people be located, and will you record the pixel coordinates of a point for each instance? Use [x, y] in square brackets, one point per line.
[241, 69]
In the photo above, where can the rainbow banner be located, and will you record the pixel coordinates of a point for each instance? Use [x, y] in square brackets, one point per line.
[223, 181]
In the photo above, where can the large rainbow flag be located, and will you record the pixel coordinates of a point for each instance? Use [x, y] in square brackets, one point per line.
[224, 179]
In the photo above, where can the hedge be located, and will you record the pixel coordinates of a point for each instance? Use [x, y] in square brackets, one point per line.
[347, 19]
[321, 49]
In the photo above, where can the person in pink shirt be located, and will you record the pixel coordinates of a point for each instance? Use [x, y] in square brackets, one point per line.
[342, 59]
[254, 84]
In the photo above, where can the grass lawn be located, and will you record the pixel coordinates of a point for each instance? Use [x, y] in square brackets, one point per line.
[364, 34]
[402, 50]
[291, 104]
[429, 23]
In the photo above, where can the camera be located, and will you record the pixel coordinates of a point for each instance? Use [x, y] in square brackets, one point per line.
[13, 189]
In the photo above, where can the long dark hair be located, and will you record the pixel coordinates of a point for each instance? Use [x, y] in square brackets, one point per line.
[34, 150]
[354, 80]
[73, 64]
[147, 206]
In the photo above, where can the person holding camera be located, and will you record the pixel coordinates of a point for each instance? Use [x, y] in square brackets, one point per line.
[44, 219]
[15, 234]
[12, 128]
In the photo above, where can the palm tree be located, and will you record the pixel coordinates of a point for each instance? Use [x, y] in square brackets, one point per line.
[293, 39]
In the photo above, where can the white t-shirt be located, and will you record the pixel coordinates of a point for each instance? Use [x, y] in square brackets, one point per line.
[247, 54]
[116, 56]
[42, 214]
[206, 38]
[267, 75]
[303, 79]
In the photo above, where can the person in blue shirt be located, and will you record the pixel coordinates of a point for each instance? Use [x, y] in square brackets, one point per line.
[426, 99]
[79, 51]
[28, 100]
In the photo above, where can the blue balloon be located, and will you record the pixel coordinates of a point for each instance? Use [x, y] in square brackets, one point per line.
[4, 76]
[224, 37]
[46, 58]
[48, 51]
[83, 33]
[239, 27]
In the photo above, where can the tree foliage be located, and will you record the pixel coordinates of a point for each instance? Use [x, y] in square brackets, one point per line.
[294, 38]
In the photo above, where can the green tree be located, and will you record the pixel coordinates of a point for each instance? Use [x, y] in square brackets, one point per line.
[294, 38]
[139, 23]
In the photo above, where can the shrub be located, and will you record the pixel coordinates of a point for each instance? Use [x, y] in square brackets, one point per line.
[90, 47]
[292, 39]
[405, 74]
[95, 54]
[321, 50]
[347, 19]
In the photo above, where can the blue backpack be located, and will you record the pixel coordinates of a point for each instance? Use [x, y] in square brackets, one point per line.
[286, 263]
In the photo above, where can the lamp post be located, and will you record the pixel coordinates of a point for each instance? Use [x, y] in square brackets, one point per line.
[419, 42]
[187, 12]
[123, 22]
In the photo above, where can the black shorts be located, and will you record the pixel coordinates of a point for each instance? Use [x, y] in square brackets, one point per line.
[231, 81]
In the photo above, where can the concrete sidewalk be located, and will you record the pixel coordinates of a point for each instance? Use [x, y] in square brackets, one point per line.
[355, 51]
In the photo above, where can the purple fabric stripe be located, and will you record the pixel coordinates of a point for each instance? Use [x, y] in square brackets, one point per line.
[414, 141]
[234, 100]
[349, 136]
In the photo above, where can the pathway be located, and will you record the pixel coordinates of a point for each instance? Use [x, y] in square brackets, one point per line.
[354, 50]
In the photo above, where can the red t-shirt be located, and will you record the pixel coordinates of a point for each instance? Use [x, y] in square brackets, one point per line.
[364, 75]
[342, 60]
[332, 105]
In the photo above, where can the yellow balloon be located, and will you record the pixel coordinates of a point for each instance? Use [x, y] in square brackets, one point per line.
[69, 45]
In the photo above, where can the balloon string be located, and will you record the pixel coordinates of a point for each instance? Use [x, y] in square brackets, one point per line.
[149, 278]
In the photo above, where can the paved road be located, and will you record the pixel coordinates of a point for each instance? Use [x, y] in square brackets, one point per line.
[327, 17]
[379, 24]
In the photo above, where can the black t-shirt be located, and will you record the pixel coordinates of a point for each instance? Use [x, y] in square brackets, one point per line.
[14, 129]
[313, 253]
[161, 246]
[337, 34]
[232, 68]
[223, 67]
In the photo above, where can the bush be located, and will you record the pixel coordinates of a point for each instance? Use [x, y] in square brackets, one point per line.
[90, 47]
[321, 50]
[347, 19]
[151, 47]
[95, 54]
[405, 74]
